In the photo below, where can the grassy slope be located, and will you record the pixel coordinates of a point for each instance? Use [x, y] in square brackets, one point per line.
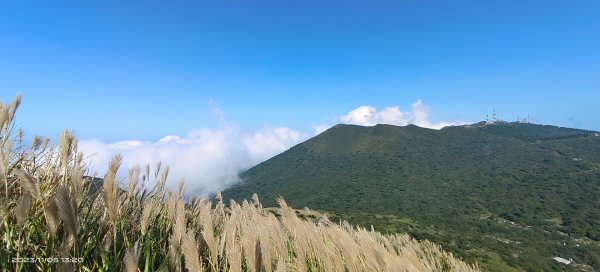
[461, 186]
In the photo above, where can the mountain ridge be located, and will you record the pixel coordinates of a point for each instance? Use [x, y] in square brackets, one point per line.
[524, 173]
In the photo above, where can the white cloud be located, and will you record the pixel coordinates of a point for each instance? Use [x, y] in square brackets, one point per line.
[173, 139]
[269, 141]
[418, 115]
[126, 145]
[208, 159]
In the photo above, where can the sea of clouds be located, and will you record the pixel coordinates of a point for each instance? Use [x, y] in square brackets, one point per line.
[210, 159]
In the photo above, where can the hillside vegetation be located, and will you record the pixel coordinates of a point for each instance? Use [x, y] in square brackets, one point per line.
[53, 218]
[510, 196]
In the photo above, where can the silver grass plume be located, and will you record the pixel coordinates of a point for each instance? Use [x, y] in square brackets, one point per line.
[68, 144]
[133, 178]
[190, 253]
[4, 112]
[66, 211]
[132, 255]
[146, 175]
[157, 170]
[110, 188]
[52, 217]
[28, 183]
[22, 208]
[147, 212]
[13, 107]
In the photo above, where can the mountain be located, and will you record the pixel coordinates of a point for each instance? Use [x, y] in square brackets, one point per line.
[510, 196]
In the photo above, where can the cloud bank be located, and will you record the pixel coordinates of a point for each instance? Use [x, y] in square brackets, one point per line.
[210, 159]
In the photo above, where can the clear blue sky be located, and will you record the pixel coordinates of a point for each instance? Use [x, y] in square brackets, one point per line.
[140, 70]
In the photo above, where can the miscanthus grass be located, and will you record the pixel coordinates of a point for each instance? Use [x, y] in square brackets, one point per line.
[55, 217]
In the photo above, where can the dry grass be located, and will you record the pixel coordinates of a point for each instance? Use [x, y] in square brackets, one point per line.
[49, 210]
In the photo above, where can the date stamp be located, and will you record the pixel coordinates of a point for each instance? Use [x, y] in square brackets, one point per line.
[46, 260]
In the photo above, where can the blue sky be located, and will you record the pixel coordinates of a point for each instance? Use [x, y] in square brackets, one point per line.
[120, 70]
[154, 66]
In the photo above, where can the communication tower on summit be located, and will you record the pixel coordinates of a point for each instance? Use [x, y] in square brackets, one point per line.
[495, 119]
[524, 120]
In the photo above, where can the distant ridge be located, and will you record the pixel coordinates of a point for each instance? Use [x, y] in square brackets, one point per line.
[531, 132]
[457, 182]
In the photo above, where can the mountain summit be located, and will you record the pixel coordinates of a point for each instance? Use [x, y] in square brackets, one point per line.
[486, 191]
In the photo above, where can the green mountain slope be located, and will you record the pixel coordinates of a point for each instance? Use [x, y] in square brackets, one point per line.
[506, 195]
